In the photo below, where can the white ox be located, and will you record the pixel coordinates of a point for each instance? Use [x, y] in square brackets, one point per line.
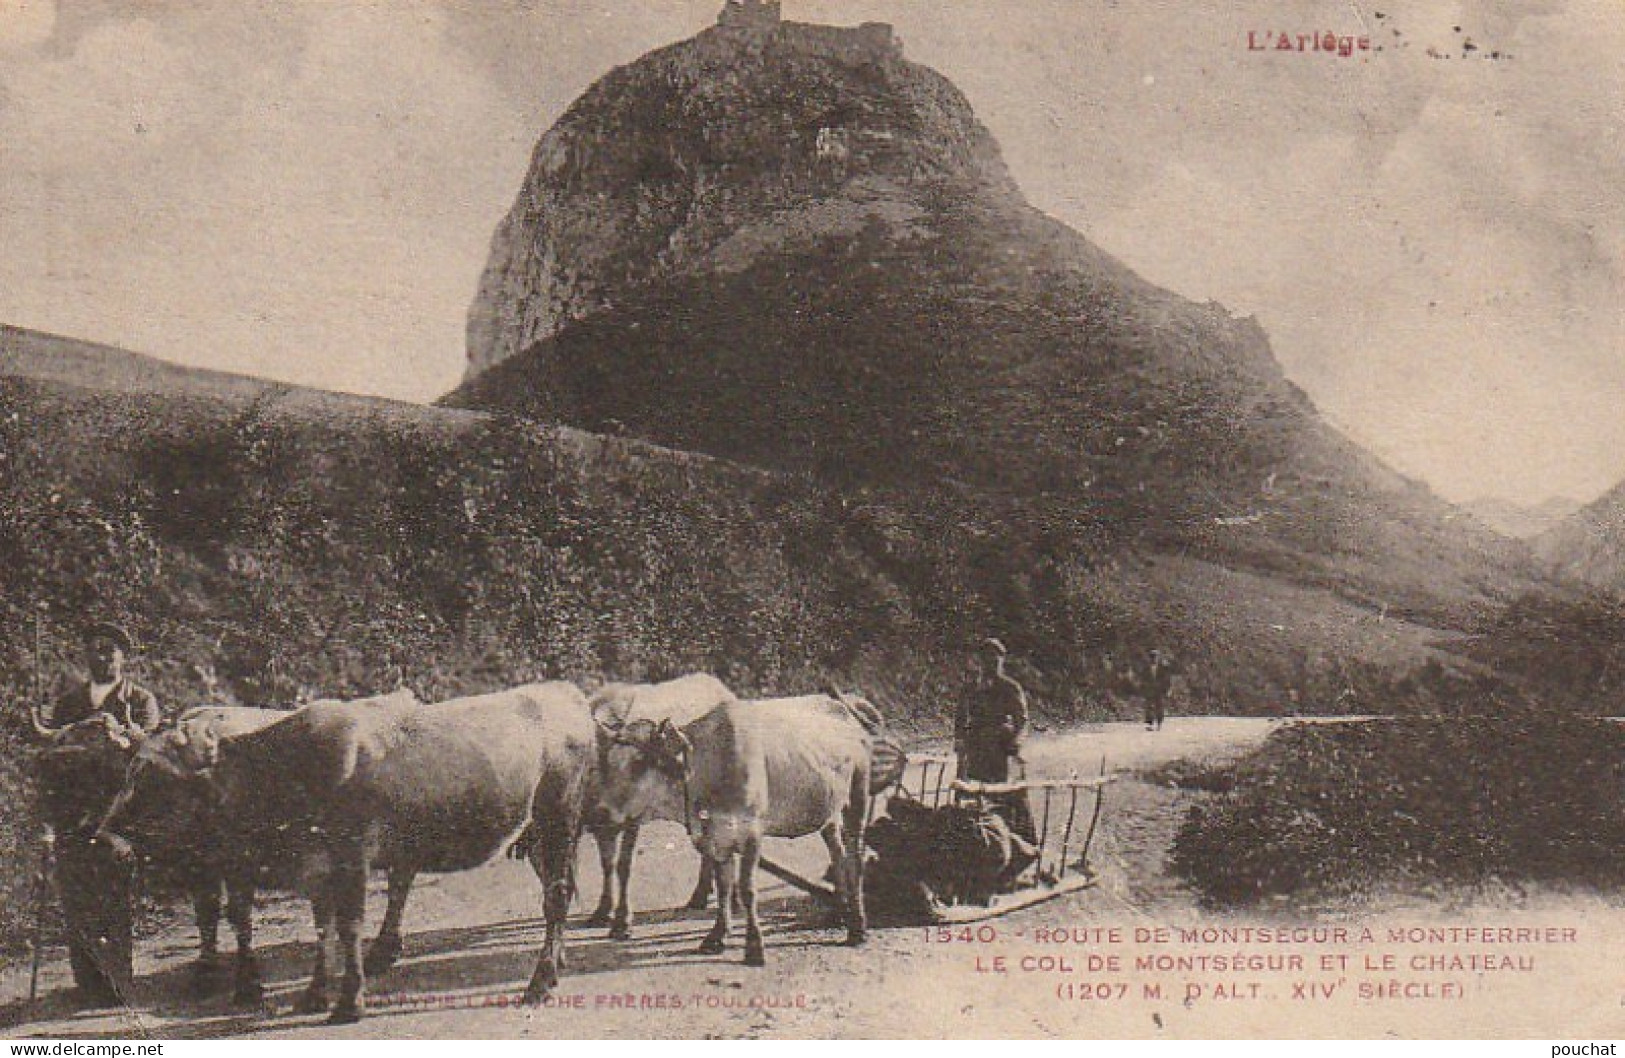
[634, 792]
[437, 788]
[783, 767]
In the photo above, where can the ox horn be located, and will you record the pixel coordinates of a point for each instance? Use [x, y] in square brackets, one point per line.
[669, 732]
[40, 727]
[39, 677]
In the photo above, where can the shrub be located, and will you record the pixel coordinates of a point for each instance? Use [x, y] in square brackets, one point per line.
[1327, 809]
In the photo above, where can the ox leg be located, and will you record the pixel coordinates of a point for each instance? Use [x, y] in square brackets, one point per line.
[348, 892]
[621, 927]
[722, 872]
[553, 859]
[701, 897]
[606, 838]
[205, 891]
[247, 988]
[831, 833]
[314, 999]
[206, 905]
[386, 948]
[702, 887]
[755, 950]
[856, 815]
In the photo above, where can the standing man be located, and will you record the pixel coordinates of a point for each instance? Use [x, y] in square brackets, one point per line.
[988, 728]
[1158, 687]
[96, 889]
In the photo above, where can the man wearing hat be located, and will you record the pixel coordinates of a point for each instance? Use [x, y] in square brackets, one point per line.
[97, 889]
[988, 728]
[107, 691]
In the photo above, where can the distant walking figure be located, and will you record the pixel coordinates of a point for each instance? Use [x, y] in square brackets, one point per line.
[1159, 684]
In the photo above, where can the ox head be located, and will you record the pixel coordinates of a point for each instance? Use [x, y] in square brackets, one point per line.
[165, 788]
[226, 785]
[645, 769]
[81, 770]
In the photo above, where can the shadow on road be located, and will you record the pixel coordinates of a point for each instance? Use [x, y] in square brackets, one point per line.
[441, 969]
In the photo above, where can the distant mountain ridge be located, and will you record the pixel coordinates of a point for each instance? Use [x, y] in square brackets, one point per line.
[1520, 520]
[56, 358]
[53, 358]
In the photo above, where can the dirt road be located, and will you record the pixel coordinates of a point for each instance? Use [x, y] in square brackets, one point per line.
[1069, 968]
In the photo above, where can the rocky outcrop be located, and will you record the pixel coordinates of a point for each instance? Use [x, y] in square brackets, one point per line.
[755, 137]
[787, 245]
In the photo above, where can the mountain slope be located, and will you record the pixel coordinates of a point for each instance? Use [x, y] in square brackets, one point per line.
[1590, 543]
[796, 249]
[197, 506]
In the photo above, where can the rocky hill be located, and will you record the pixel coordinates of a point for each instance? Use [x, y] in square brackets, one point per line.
[737, 146]
[791, 247]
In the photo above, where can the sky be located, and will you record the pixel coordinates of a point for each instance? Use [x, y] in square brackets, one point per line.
[1432, 234]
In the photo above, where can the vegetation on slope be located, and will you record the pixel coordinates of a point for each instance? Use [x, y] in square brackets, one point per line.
[1337, 809]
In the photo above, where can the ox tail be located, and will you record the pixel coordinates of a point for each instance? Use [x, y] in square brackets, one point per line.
[887, 759]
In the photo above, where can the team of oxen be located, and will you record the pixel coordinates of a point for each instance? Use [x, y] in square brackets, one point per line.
[342, 788]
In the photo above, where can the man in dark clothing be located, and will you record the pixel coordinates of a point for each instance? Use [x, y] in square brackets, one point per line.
[988, 728]
[108, 691]
[1158, 686]
[991, 720]
[79, 776]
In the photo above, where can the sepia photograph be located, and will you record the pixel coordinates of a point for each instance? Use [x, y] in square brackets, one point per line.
[812, 519]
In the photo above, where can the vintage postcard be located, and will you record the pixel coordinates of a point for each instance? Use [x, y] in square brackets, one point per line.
[825, 518]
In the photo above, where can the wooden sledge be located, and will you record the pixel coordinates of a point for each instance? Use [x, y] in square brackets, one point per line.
[1005, 903]
[1062, 878]
[822, 890]
[1052, 878]
[946, 914]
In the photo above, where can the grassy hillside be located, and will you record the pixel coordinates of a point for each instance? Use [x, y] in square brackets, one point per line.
[1000, 364]
[268, 544]
[292, 552]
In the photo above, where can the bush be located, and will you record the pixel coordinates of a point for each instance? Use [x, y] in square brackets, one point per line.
[1332, 809]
